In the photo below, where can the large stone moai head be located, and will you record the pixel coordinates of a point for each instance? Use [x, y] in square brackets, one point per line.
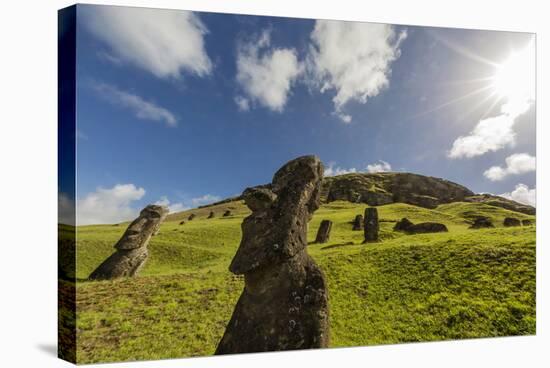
[371, 225]
[277, 228]
[140, 231]
[131, 250]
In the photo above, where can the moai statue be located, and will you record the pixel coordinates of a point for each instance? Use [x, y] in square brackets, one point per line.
[371, 226]
[191, 217]
[358, 223]
[211, 215]
[227, 213]
[131, 250]
[284, 304]
[323, 234]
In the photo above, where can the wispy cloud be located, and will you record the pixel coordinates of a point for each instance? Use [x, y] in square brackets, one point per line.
[522, 194]
[265, 74]
[165, 43]
[516, 164]
[333, 170]
[109, 205]
[353, 59]
[204, 200]
[141, 108]
[380, 166]
[172, 207]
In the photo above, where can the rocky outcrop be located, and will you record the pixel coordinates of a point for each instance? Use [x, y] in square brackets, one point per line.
[427, 227]
[511, 221]
[384, 188]
[371, 225]
[403, 225]
[131, 250]
[501, 202]
[482, 222]
[323, 234]
[358, 223]
[284, 302]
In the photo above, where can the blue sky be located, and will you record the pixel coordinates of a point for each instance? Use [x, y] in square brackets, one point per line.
[185, 108]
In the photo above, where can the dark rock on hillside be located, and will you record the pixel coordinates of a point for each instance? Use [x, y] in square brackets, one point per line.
[182, 222]
[403, 225]
[211, 214]
[358, 223]
[131, 250]
[323, 234]
[427, 227]
[526, 222]
[191, 217]
[284, 304]
[227, 213]
[511, 221]
[371, 225]
[482, 222]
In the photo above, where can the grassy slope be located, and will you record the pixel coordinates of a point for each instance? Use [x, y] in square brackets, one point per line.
[461, 284]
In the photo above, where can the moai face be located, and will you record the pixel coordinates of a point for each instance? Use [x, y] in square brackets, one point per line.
[141, 229]
[277, 227]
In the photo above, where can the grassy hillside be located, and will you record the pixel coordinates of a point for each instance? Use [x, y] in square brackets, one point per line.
[461, 284]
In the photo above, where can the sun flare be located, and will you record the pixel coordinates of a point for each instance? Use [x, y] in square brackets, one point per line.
[515, 77]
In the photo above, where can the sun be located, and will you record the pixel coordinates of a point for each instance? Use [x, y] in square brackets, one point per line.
[514, 79]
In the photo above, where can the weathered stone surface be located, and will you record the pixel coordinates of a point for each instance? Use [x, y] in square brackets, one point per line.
[358, 223]
[482, 222]
[526, 222]
[191, 217]
[227, 213]
[131, 250]
[284, 302]
[323, 234]
[511, 221]
[211, 214]
[403, 225]
[497, 201]
[371, 225]
[427, 227]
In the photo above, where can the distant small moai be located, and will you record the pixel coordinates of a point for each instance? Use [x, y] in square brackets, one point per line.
[131, 250]
[371, 226]
[323, 234]
[191, 217]
[182, 222]
[227, 213]
[358, 223]
[211, 215]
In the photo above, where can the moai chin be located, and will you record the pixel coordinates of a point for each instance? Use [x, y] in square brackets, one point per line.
[284, 303]
[131, 250]
[371, 225]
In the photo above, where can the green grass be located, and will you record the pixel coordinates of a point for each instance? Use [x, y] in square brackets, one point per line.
[460, 284]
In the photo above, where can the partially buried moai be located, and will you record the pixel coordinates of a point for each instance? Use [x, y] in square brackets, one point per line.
[358, 223]
[131, 250]
[284, 304]
[323, 234]
[371, 225]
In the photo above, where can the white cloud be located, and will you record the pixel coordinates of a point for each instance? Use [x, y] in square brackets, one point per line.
[353, 59]
[331, 170]
[109, 205]
[142, 109]
[163, 42]
[380, 166]
[522, 194]
[516, 164]
[266, 74]
[205, 199]
[172, 207]
[242, 103]
[65, 209]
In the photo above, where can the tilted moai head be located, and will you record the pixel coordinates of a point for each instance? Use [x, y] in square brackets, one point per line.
[142, 228]
[276, 230]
